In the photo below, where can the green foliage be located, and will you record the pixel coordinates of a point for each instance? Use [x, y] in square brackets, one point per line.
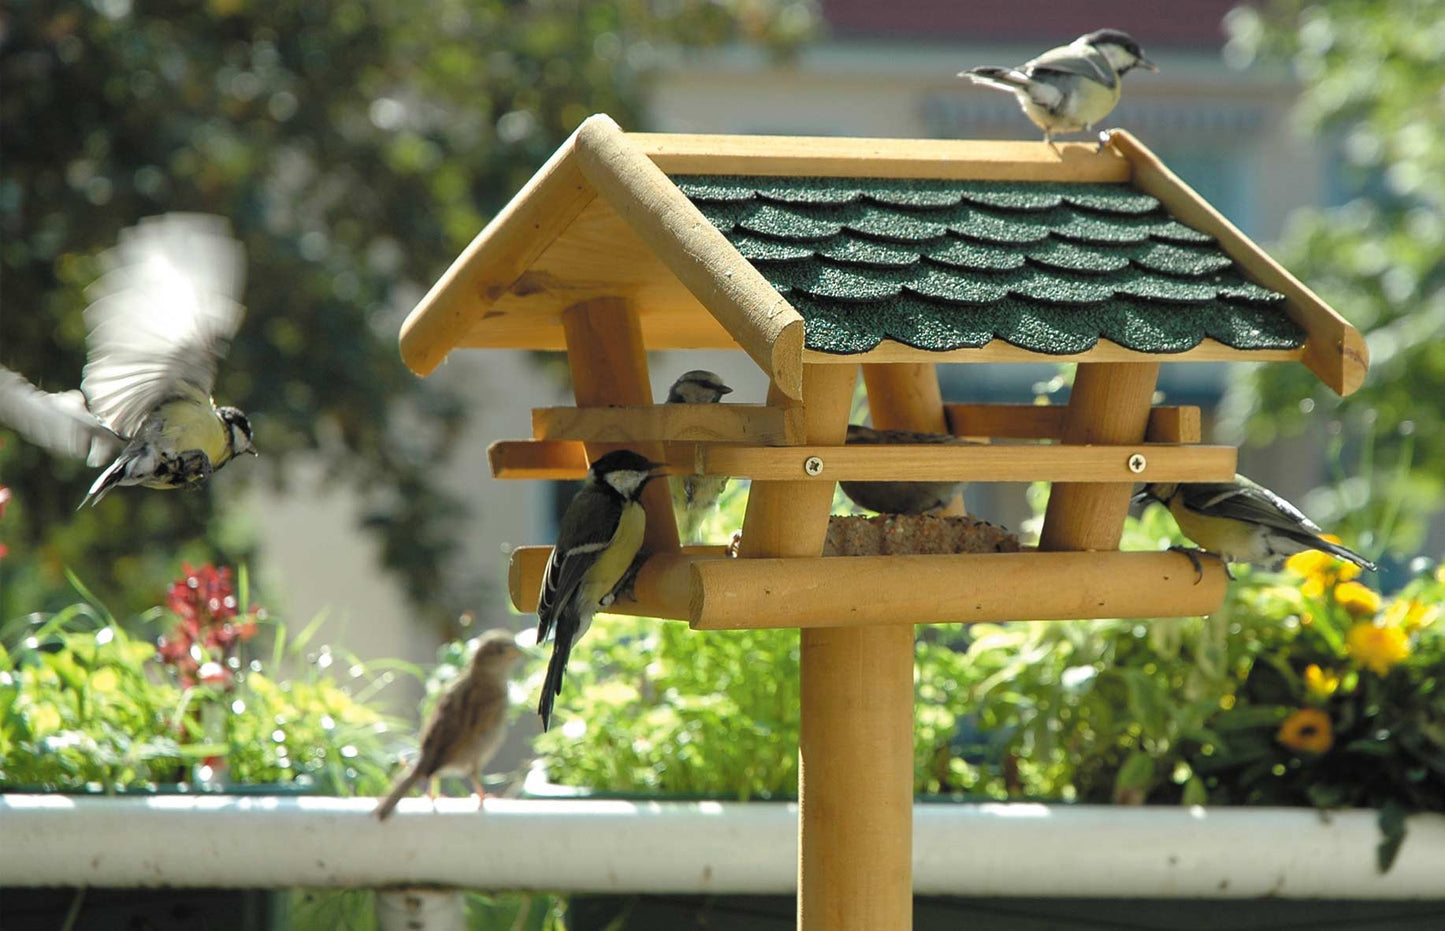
[356, 147]
[1373, 75]
[85, 705]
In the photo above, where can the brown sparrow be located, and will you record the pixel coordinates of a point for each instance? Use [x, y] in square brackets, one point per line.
[469, 723]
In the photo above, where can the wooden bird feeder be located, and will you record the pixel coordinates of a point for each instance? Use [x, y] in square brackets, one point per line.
[816, 256]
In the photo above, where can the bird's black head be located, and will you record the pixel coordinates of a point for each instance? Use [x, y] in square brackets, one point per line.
[625, 471]
[239, 427]
[1155, 491]
[697, 387]
[1120, 48]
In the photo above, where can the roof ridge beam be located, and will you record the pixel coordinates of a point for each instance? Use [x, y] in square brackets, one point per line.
[767, 327]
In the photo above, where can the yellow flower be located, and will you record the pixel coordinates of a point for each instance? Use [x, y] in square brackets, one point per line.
[1375, 646]
[1358, 600]
[1319, 683]
[1306, 730]
[1411, 615]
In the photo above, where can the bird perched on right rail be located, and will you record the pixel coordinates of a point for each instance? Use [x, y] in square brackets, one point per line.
[1241, 521]
[600, 536]
[1072, 87]
[900, 497]
[159, 321]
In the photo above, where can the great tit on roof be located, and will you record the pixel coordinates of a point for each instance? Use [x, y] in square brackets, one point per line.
[1241, 521]
[899, 497]
[468, 724]
[601, 534]
[161, 317]
[1072, 87]
[693, 496]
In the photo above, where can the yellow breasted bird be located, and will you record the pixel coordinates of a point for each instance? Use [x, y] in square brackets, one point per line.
[1072, 87]
[160, 319]
[1242, 521]
[600, 536]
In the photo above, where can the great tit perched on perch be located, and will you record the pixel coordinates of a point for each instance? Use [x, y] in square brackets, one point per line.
[469, 723]
[1072, 87]
[899, 497]
[693, 496]
[601, 534]
[160, 319]
[1241, 521]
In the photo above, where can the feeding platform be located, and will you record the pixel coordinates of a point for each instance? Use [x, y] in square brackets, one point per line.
[823, 257]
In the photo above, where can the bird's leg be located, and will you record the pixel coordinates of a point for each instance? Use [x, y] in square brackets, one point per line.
[1103, 140]
[193, 467]
[1193, 555]
[735, 545]
[481, 790]
[432, 785]
[1049, 138]
[628, 582]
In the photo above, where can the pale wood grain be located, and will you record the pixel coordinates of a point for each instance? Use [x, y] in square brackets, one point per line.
[1046, 422]
[609, 366]
[1335, 351]
[965, 588]
[716, 423]
[767, 327]
[1109, 403]
[499, 254]
[842, 157]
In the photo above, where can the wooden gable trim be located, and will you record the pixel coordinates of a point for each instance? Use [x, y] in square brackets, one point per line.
[764, 324]
[1334, 350]
[495, 259]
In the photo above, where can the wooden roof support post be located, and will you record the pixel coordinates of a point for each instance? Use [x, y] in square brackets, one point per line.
[906, 396]
[1109, 403]
[855, 781]
[609, 366]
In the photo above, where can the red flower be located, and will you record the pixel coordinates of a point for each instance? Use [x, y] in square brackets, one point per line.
[204, 603]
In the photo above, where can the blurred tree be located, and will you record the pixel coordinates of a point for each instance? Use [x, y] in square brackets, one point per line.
[1373, 75]
[356, 147]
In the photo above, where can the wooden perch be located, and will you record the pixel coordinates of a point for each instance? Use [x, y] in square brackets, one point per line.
[1046, 422]
[719, 423]
[703, 586]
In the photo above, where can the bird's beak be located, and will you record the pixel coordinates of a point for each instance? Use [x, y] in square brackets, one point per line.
[1147, 65]
[252, 451]
[724, 389]
[1141, 497]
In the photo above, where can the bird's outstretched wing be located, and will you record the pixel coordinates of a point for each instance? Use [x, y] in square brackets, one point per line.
[161, 316]
[59, 422]
[1078, 60]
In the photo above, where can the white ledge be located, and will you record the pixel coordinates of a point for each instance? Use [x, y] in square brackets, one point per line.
[709, 847]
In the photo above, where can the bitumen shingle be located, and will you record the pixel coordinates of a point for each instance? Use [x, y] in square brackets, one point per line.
[938, 264]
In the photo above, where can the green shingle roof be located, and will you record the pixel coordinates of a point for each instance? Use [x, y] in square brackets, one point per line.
[1047, 266]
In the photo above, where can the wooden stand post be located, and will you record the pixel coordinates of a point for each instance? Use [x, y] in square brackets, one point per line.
[855, 830]
[906, 396]
[1109, 404]
[609, 366]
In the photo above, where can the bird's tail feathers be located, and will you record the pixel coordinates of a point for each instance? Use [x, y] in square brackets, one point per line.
[552, 685]
[398, 791]
[104, 483]
[1342, 552]
[1008, 79]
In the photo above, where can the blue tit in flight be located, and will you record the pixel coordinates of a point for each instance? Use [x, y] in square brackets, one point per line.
[1072, 87]
[469, 723]
[694, 496]
[900, 497]
[1241, 521]
[161, 317]
[600, 536]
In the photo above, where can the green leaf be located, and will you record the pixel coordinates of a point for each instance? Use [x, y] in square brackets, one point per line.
[1392, 827]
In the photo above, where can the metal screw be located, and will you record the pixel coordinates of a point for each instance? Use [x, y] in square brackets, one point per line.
[813, 465]
[1137, 463]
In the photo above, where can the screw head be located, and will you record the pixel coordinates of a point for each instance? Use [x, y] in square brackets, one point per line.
[813, 465]
[1137, 463]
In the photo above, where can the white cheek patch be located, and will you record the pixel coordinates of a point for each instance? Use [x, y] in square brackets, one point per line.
[626, 482]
